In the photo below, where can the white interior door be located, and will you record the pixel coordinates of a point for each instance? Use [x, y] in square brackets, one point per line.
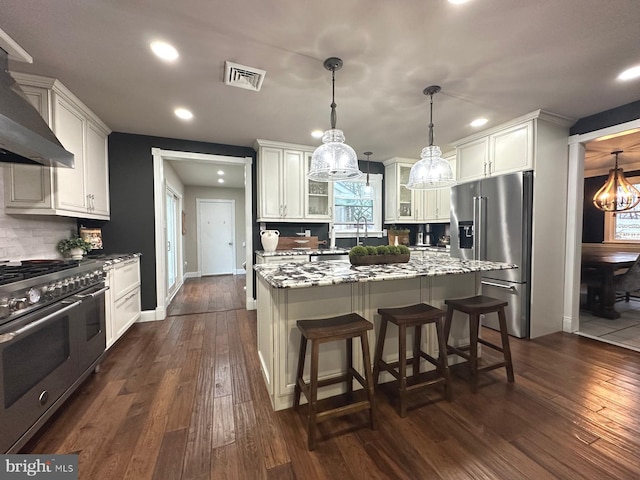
[216, 236]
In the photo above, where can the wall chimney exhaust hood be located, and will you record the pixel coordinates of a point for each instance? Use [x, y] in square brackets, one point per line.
[24, 135]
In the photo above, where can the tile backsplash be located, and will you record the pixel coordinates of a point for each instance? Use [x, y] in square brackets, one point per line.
[25, 237]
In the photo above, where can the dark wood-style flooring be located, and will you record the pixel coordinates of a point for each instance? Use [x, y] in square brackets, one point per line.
[184, 399]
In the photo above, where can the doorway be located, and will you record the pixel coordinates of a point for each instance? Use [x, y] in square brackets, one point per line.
[216, 236]
[159, 157]
[173, 208]
[573, 249]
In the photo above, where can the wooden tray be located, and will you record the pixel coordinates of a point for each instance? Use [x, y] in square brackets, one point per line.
[378, 259]
[289, 243]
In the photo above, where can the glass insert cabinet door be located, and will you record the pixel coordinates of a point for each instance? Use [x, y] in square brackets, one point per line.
[405, 197]
[318, 196]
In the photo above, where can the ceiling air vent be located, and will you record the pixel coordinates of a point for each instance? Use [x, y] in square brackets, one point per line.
[243, 77]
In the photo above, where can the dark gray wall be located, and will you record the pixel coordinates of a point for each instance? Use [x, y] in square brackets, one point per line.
[608, 118]
[131, 228]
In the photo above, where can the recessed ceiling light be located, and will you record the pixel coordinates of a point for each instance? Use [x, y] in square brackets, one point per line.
[478, 122]
[317, 134]
[220, 172]
[458, 2]
[164, 51]
[183, 113]
[221, 180]
[630, 73]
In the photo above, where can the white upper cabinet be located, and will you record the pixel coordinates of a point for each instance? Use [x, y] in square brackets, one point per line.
[504, 149]
[435, 204]
[284, 192]
[399, 203]
[403, 205]
[318, 196]
[82, 191]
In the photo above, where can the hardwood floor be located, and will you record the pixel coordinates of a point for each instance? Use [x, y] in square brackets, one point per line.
[184, 399]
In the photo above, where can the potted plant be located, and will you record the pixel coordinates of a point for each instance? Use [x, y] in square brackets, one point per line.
[74, 247]
[381, 254]
[398, 235]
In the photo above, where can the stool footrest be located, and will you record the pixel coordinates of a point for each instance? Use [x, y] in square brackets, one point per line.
[344, 410]
[490, 345]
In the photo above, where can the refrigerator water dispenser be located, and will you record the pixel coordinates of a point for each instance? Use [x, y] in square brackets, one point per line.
[465, 234]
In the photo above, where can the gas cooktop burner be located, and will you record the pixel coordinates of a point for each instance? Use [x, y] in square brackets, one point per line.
[14, 272]
[33, 284]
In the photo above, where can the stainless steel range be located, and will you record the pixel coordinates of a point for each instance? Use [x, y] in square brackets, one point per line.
[52, 336]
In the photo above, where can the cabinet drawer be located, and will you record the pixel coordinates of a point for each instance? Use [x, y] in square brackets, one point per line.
[125, 277]
[126, 311]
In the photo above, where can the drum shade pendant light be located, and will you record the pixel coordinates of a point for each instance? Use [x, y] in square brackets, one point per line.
[617, 194]
[431, 171]
[333, 160]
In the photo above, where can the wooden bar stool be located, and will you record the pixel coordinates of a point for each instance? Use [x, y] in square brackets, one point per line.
[474, 307]
[343, 327]
[413, 316]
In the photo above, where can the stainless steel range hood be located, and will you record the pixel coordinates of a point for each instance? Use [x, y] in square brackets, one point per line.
[24, 135]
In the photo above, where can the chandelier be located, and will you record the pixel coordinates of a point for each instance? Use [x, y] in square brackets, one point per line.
[617, 194]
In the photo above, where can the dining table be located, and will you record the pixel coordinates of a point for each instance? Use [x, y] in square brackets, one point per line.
[602, 267]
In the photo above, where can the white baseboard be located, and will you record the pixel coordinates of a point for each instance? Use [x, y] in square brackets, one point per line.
[252, 304]
[152, 315]
[191, 275]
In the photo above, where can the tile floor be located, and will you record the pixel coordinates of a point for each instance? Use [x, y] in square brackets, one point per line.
[624, 331]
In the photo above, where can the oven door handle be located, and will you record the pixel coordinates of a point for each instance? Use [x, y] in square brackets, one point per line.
[94, 294]
[7, 337]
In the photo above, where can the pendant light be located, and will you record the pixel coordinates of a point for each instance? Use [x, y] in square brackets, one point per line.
[333, 160]
[368, 190]
[431, 171]
[617, 194]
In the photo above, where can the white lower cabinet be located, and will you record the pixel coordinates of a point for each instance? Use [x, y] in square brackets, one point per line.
[123, 298]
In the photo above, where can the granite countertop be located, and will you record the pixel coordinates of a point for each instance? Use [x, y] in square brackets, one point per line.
[302, 275]
[429, 248]
[115, 258]
[303, 251]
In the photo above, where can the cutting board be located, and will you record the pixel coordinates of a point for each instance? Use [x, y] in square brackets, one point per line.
[289, 243]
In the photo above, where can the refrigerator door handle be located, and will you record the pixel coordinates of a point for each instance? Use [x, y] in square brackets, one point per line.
[479, 219]
[498, 285]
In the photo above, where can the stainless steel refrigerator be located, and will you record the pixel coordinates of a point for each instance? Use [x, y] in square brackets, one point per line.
[491, 220]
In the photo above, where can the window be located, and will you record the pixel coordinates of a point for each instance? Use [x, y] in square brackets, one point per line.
[624, 227]
[351, 203]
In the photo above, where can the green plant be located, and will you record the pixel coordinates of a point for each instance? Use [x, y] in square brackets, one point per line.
[404, 250]
[65, 246]
[371, 250]
[393, 250]
[382, 250]
[358, 251]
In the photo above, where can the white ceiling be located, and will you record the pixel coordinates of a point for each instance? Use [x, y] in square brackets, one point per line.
[494, 58]
[205, 174]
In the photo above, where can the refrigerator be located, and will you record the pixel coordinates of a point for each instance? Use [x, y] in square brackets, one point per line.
[491, 220]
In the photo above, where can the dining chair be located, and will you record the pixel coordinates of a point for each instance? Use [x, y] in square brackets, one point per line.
[629, 281]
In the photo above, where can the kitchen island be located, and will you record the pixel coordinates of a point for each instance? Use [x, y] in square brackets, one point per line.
[289, 292]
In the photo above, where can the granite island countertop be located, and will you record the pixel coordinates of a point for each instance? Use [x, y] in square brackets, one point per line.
[302, 275]
[304, 251]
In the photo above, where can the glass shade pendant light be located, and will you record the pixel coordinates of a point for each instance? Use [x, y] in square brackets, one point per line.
[368, 189]
[617, 194]
[431, 171]
[333, 160]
